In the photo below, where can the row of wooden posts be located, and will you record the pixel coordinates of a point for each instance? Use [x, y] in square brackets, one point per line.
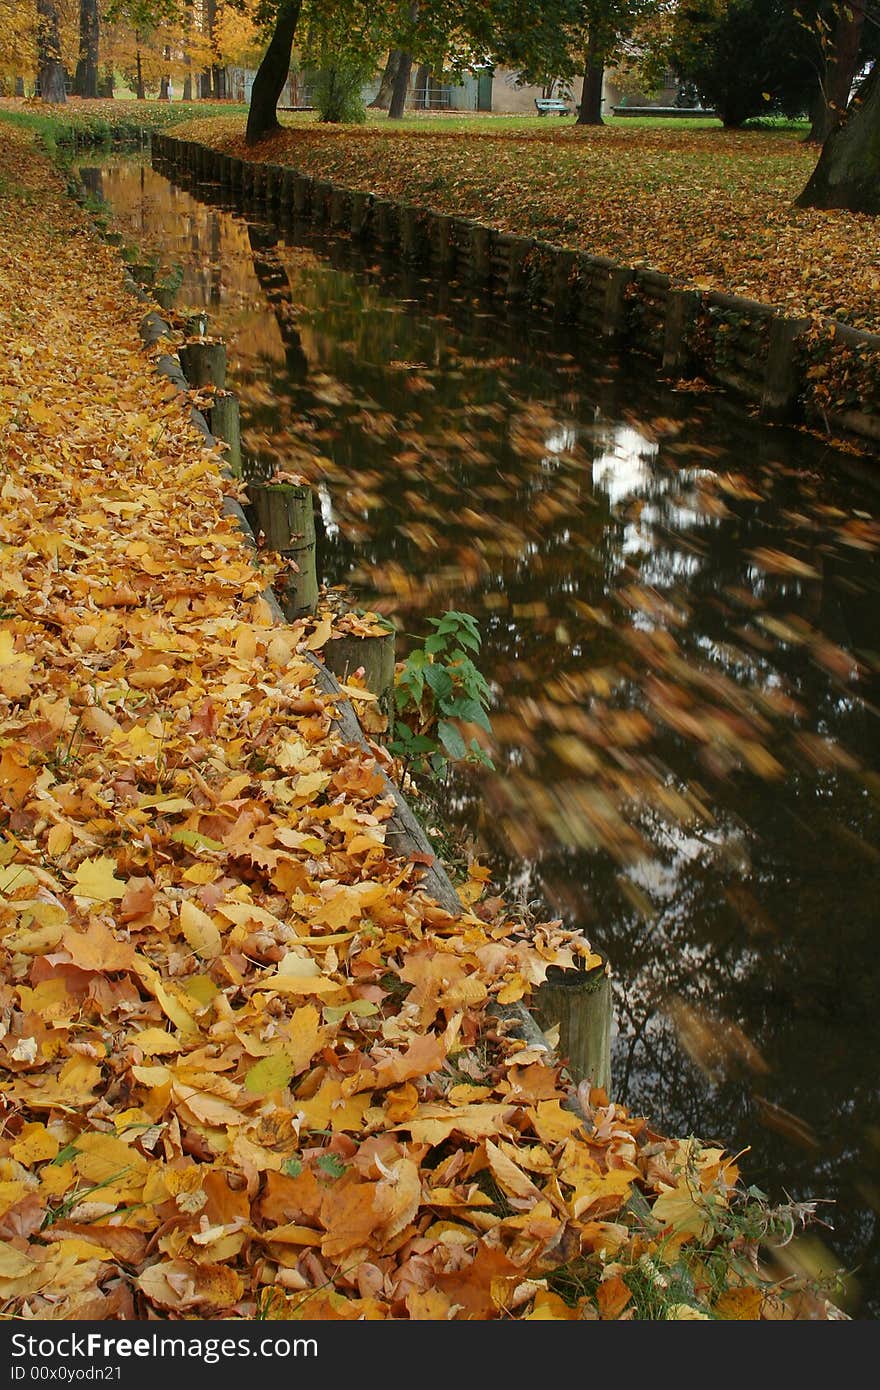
[283, 520]
[752, 349]
[577, 1002]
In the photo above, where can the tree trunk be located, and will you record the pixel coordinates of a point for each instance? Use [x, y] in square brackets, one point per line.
[209, 20]
[188, 23]
[271, 76]
[833, 96]
[420, 87]
[106, 84]
[848, 172]
[590, 109]
[140, 90]
[51, 71]
[165, 79]
[85, 82]
[401, 87]
[382, 99]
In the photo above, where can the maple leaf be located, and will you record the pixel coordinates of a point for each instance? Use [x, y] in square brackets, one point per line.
[96, 881]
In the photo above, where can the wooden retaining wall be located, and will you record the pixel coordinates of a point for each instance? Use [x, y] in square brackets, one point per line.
[823, 374]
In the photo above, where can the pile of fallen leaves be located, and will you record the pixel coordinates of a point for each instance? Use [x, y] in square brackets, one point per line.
[711, 208]
[249, 1067]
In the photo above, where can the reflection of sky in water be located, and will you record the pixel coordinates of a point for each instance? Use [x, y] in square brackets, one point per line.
[624, 465]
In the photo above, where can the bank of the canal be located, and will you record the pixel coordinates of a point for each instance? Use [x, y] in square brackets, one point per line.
[250, 1065]
[664, 291]
[725, 939]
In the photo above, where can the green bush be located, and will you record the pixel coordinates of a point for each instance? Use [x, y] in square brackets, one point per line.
[336, 91]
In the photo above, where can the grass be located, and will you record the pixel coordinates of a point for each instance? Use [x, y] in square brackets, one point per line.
[98, 122]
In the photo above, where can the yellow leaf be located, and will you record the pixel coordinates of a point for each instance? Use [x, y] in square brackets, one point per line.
[15, 667]
[292, 1235]
[272, 1073]
[151, 1077]
[34, 1145]
[304, 1036]
[14, 1264]
[509, 1175]
[200, 931]
[514, 989]
[320, 636]
[155, 1042]
[59, 839]
[95, 879]
[740, 1305]
[171, 1005]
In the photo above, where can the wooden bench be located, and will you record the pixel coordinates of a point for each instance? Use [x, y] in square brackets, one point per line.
[546, 104]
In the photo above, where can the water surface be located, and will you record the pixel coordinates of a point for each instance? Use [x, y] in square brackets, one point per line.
[678, 607]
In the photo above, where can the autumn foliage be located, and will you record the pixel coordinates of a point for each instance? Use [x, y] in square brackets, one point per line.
[711, 208]
[249, 1067]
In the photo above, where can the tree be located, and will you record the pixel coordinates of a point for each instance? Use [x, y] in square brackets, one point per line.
[848, 172]
[397, 104]
[272, 74]
[50, 65]
[574, 37]
[18, 25]
[840, 38]
[745, 57]
[446, 35]
[85, 81]
[143, 35]
[382, 99]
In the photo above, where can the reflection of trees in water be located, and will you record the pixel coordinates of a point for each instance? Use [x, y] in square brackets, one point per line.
[610, 573]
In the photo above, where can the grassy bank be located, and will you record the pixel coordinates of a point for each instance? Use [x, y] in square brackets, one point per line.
[98, 122]
[712, 208]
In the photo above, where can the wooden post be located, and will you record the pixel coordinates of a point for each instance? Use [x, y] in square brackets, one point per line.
[340, 206]
[614, 315]
[781, 377]
[302, 194]
[681, 315]
[284, 512]
[224, 422]
[360, 213]
[321, 201]
[516, 275]
[383, 228]
[443, 250]
[285, 197]
[274, 173]
[481, 253]
[345, 655]
[563, 297]
[203, 362]
[410, 248]
[580, 1002]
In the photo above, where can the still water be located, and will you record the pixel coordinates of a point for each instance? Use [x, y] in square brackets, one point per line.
[679, 613]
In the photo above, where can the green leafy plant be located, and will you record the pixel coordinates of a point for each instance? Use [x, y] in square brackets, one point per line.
[437, 689]
[336, 90]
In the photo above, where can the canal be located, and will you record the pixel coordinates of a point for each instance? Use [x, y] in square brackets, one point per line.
[678, 606]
